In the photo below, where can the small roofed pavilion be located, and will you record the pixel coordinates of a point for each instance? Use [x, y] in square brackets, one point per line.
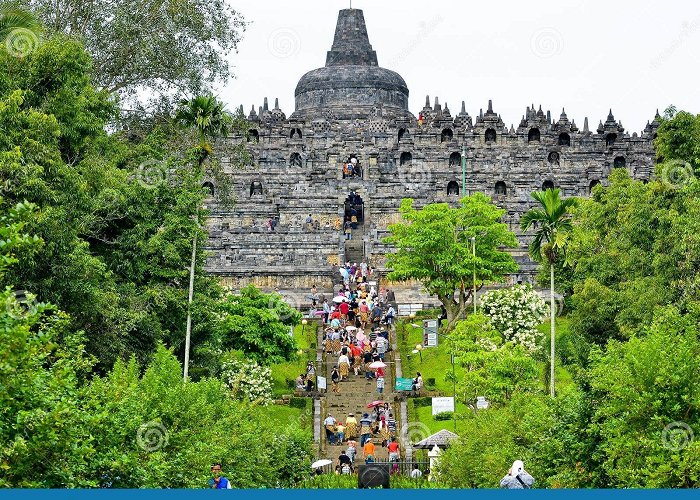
[440, 439]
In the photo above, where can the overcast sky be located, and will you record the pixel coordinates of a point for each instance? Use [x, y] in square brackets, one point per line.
[586, 56]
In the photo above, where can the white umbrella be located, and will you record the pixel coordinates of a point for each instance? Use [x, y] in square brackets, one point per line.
[338, 299]
[321, 463]
[377, 364]
[350, 328]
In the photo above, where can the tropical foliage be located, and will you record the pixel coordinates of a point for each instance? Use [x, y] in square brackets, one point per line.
[630, 417]
[434, 247]
[516, 312]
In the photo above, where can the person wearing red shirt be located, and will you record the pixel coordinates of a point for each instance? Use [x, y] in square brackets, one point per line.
[344, 308]
[393, 450]
[357, 358]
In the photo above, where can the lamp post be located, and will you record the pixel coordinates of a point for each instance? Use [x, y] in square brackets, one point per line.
[474, 269]
[454, 391]
[188, 332]
[419, 348]
[464, 170]
[304, 322]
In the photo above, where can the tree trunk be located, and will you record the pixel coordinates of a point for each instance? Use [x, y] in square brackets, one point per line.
[551, 313]
[455, 311]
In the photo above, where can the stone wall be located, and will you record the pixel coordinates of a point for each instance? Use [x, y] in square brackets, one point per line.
[354, 108]
[421, 164]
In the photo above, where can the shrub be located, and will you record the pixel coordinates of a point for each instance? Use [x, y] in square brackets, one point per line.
[516, 312]
[248, 380]
[298, 403]
[445, 415]
[422, 401]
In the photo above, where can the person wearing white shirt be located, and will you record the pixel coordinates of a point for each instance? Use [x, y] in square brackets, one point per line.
[344, 366]
[416, 473]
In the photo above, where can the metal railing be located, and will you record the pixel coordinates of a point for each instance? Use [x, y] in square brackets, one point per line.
[403, 467]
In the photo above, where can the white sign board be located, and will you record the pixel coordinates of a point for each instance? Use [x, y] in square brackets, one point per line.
[430, 337]
[481, 403]
[321, 383]
[441, 405]
[408, 309]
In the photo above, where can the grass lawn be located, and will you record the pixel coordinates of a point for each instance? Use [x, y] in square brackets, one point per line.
[436, 364]
[306, 351]
[282, 415]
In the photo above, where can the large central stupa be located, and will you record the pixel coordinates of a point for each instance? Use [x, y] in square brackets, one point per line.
[352, 84]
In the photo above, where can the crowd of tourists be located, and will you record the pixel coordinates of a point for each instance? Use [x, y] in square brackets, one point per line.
[352, 168]
[356, 334]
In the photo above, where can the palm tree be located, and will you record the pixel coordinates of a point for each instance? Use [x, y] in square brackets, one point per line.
[19, 29]
[552, 221]
[208, 116]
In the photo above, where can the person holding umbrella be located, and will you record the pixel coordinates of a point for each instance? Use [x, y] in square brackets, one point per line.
[318, 465]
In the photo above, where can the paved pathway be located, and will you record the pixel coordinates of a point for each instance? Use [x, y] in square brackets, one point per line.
[355, 394]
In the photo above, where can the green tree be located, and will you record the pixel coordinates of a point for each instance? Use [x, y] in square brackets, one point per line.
[678, 140]
[434, 246]
[647, 407]
[165, 47]
[13, 220]
[20, 30]
[490, 441]
[552, 221]
[493, 367]
[634, 247]
[208, 116]
[258, 324]
[115, 216]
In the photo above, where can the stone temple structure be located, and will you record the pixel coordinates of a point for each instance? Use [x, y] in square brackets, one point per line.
[353, 110]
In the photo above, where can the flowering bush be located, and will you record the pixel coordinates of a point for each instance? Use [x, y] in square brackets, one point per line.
[516, 312]
[248, 380]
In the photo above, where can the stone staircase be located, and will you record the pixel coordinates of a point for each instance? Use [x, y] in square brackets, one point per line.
[355, 393]
[355, 248]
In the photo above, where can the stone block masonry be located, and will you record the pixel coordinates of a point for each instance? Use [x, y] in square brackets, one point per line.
[353, 108]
